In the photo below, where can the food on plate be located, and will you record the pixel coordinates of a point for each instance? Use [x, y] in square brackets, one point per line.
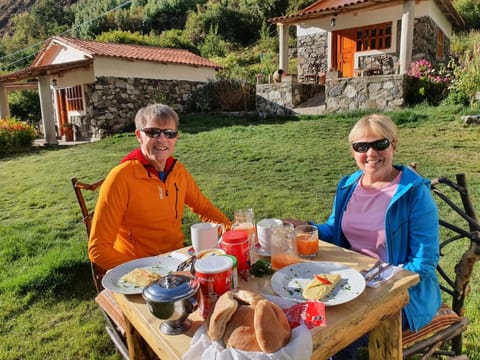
[272, 329]
[239, 333]
[223, 311]
[140, 277]
[247, 297]
[320, 286]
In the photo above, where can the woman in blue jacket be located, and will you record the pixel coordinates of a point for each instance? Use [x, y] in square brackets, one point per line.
[387, 212]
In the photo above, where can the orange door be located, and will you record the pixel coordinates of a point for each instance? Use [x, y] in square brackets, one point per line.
[345, 51]
[62, 110]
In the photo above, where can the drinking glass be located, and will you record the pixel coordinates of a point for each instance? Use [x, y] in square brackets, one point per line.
[306, 237]
[283, 246]
[244, 219]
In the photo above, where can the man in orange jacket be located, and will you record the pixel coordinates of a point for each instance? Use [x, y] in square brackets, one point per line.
[141, 202]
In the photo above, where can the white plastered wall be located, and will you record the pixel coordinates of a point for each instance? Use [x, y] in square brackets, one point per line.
[151, 70]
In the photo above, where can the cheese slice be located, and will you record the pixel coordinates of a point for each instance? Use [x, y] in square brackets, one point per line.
[318, 288]
[140, 277]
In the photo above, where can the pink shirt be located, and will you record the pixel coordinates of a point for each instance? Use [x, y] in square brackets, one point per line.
[363, 222]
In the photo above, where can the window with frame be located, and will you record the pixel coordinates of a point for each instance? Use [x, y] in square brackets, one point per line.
[74, 98]
[373, 37]
[440, 44]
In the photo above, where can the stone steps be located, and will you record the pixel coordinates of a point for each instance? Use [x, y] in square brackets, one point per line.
[313, 106]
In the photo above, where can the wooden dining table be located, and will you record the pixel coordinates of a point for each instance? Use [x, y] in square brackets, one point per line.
[376, 311]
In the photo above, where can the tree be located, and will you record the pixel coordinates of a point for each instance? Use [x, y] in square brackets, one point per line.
[470, 11]
[168, 14]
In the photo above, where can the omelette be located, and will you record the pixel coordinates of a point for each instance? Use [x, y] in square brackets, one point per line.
[320, 286]
[140, 277]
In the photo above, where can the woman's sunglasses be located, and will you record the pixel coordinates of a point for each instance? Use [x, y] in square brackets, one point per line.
[156, 132]
[377, 145]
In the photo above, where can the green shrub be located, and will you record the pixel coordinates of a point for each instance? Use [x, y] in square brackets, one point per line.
[467, 82]
[427, 83]
[224, 95]
[25, 105]
[15, 136]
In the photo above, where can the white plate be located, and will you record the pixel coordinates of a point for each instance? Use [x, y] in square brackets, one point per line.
[162, 265]
[290, 281]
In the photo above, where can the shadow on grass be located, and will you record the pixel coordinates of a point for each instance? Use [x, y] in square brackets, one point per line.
[70, 280]
[196, 123]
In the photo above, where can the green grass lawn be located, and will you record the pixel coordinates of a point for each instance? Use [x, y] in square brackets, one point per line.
[280, 167]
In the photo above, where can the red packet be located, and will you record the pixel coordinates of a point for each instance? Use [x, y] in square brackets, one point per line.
[310, 314]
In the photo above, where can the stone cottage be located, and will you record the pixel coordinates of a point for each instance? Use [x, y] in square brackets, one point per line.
[359, 51]
[96, 88]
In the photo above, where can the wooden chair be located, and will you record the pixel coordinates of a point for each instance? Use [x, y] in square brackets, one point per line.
[116, 322]
[450, 322]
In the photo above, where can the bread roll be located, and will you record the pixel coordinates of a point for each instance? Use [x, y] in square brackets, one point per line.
[247, 297]
[223, 311]
[242, 317]
[271, 325]
[243, 338]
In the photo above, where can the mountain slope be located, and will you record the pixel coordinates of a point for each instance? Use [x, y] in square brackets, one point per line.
[9, 8]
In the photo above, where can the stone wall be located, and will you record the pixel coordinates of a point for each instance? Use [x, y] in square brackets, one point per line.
[425, 41]
[111, 103]
[312, 54]
[382, 92]
[279, 99]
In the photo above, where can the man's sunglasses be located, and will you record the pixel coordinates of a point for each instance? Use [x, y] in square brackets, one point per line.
[377, 145]
[156, 132]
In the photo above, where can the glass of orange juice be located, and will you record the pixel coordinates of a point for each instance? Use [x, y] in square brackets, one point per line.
[283, 247]
[306, 237]
[244, 219]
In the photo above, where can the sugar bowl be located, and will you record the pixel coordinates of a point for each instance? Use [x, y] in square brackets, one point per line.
[172, 298]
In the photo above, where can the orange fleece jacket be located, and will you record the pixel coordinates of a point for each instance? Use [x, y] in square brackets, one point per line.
[138, 215]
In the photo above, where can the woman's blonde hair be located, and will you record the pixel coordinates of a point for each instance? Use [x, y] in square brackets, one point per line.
[376, 124]
[159, 112]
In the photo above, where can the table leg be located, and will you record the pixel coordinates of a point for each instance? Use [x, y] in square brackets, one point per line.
[137, 348]
[385, 341]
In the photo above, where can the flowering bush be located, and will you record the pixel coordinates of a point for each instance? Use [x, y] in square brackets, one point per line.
[428, 83]
[15, 135]
[465, 88]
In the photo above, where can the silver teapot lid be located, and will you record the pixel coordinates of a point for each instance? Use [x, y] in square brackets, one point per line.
[171, 288]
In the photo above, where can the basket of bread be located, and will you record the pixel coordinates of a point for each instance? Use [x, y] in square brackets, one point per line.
[246, 325]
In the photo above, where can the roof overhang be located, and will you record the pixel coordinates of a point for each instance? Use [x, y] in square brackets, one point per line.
[36, 71]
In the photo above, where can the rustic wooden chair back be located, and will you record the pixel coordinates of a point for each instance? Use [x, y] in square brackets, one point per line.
[115, 321]
[450, 323]
[79, 188]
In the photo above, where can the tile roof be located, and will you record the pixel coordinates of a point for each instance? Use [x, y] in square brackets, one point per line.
[326, 5]
[137, 52]
[320, 7]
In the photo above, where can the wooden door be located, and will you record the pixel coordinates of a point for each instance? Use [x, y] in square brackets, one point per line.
[344, 51]
[62, 110]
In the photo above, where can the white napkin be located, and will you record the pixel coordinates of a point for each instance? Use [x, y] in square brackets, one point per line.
[386, 274]
[202, 348]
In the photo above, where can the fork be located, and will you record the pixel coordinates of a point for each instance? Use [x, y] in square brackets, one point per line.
[365, 272]
[188, 265]
[378, 275]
